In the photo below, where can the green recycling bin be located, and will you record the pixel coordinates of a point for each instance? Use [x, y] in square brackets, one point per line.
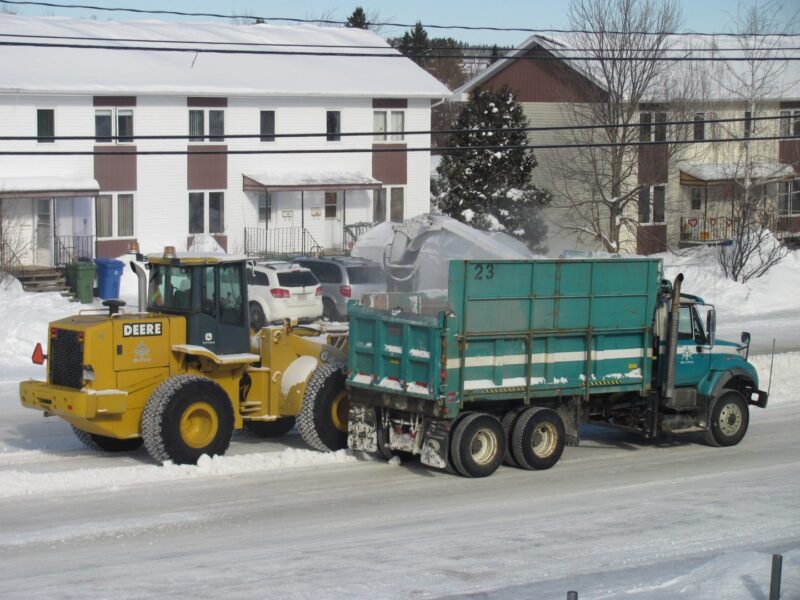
[84, 281]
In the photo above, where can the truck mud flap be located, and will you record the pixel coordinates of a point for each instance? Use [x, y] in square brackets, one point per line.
[362, 428]
[436, 443]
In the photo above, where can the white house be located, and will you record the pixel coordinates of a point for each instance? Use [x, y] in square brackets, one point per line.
[230, 167]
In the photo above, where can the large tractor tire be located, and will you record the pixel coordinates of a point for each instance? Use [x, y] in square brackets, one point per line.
[729, 419]
[107, 444]
[322, 421]
[477, 445]
[538, 438]
[270, 429]
[186, 417]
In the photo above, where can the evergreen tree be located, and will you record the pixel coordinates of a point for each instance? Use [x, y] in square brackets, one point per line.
[358, 19]
[495, 55]
[490, 188]
[415, 44]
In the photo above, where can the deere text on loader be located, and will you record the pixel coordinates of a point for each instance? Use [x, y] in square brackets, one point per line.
[185, 371]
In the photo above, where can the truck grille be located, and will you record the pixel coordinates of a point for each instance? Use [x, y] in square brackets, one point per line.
[66, 359]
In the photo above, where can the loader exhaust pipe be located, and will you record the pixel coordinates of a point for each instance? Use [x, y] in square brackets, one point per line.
[141, 274]
[672, 340]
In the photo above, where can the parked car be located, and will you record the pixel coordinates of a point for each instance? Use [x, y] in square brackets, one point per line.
[280, 290]
[343, 278]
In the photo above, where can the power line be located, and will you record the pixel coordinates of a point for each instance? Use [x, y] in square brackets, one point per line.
[380, 150]
[394, 53]
[376, 24]
[207, 137]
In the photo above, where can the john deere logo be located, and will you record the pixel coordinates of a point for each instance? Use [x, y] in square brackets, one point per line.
[140, 329]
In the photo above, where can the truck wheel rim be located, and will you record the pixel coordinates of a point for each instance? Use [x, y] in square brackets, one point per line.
[339, 410]
[199, 425]
[730, 419]
[544, 440]
[483, 447]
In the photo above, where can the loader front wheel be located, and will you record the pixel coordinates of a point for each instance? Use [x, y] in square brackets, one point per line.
[186, 417]
[270, 429]
[108, 444]
[322, 421]
[538, 438]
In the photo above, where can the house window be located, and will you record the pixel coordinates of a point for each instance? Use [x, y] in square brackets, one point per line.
[104, 125]
[699, 126]
[197, 212]
[330, 205]
[652, 127]
[749, 126]
[698, 194]
[789, 197]
[216, 212]
[790, 123]
[334, 125]
[216, 125]
[45, 125]
[379, 206]
[388, 125]
[114, 219]
[397, 208]
[267, 125]
[651, 205]
[264, 208]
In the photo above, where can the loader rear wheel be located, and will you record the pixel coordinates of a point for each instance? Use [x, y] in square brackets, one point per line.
[186, 417]
[538, 437]
[729, 420]
[270, 429]
[108, 444]
[322, 421]
[477, 445]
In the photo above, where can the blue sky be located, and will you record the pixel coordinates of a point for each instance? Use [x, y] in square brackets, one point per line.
[699, 15]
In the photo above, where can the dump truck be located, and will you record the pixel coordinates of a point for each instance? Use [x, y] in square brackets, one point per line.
[509, 361]
[185, 370]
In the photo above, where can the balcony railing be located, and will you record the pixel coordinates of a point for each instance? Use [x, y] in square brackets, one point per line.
[353, 232]
[279, 242]
[71, 248]
[706, 230]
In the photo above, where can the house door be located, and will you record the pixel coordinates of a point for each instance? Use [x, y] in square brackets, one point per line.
[74, 229]
[44, 232]
[333, 220]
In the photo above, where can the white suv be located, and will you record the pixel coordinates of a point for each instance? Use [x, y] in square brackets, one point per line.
[278, 290]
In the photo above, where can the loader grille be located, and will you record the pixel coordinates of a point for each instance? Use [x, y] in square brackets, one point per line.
[66, 359]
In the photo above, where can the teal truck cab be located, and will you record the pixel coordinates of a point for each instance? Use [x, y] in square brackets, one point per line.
[510, 361]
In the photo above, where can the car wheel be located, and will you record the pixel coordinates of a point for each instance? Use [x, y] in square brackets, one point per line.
[257, 318]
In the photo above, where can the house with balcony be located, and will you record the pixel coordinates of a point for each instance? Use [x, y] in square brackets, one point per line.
[265, 138]
[680, 202]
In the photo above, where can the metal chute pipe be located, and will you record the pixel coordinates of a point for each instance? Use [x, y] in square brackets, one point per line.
[671, 349]
[141, 274]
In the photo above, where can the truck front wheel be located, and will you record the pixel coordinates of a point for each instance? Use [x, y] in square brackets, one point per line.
[538, 437]
[185, 417]
[478, 445]
[729, 420]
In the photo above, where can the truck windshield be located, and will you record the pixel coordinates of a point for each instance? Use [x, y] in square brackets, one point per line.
[170, 287]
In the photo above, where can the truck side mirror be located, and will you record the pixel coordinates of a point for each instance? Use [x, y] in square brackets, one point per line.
[711, 326]
[746, 338]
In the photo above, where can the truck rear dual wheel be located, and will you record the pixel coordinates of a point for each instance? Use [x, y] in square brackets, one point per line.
[477, 445]
[537, 439]
[322, 421]
[728, 421]
[108, 444]
[186, 417]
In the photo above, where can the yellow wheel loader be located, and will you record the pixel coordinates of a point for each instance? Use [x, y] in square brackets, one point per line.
[186, 370]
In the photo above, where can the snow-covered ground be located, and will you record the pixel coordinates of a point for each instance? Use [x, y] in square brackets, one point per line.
[618, 517]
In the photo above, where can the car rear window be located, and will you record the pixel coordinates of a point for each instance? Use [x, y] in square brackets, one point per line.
[297, 279]
[325, 272]
[365, 275]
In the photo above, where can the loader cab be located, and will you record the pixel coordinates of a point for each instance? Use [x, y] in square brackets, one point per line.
[210, 292]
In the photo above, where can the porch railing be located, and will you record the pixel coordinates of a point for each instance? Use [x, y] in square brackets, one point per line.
[353, 232]
[279, 242]
[71, 248]
[705, 230]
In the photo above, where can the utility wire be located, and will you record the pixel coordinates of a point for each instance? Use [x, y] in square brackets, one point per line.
[207, 137]
[199, 149]
[394, 53]
[376, 24]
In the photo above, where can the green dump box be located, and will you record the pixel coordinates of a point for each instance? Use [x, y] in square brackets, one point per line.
[511, 330]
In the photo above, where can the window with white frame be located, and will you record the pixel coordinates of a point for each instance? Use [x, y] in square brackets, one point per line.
[653, 126]
[698, 195]
[45, 125]
[388, 125]
[206, 212]
[113, 122]
[651, 205]
[264, 208]
[333, 125]
[789, 197]
[790, 123]
[198, 117]
[114, 216]
[700, 126]
[267, 123]
[395, 209]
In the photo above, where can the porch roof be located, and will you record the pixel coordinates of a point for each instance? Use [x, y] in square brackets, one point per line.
[308, 181]
[47, 186]
[717, 173]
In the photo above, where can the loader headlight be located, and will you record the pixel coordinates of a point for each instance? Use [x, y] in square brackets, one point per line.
[324, 356]
[88, 373]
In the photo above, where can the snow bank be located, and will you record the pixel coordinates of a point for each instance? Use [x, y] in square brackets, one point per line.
[785, 376]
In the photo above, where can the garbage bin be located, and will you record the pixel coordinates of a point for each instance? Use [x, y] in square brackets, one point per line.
[84, 281]
[109, 274]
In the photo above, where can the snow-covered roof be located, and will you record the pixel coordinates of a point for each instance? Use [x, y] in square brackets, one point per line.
[21, 185]
[25, 69]
[727, 171]
[309, 180]
[568, 47]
